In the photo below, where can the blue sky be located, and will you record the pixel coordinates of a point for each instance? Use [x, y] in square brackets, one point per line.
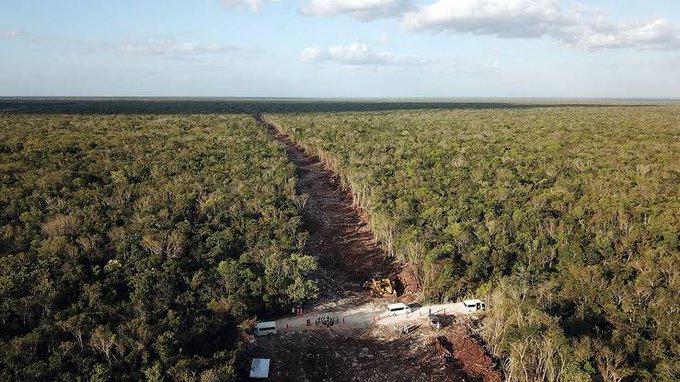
[341, 48]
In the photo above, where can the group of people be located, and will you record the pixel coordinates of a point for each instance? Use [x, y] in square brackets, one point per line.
[320, 320]
[325, 320]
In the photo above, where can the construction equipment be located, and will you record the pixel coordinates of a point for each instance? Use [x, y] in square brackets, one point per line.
[381, 286]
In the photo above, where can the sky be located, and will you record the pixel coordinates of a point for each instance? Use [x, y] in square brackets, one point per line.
[341, 48]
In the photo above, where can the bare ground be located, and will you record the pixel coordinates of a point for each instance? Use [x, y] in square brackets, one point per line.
[377, 354]
[339, 234]
[348, 255]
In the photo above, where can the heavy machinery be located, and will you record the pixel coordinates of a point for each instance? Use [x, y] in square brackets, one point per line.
[381, 286]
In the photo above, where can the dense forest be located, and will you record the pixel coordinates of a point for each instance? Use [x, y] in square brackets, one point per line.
[137, 247]
[567, 220]
[141, 246]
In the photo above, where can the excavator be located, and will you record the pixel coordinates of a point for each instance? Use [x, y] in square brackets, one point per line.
[381, 286]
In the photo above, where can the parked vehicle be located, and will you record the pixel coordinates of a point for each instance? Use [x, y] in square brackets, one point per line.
[264, 328]
[398, 309]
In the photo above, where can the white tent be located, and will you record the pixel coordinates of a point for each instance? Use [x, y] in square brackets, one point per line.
[259, 368]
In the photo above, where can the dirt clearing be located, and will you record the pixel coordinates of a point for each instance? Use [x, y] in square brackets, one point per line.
[377, 354]
[338, 234]
[348, 255]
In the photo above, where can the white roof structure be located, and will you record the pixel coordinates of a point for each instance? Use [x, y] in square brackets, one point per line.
[259, 368]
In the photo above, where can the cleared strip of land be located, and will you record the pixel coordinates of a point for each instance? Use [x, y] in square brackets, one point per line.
[348, 256]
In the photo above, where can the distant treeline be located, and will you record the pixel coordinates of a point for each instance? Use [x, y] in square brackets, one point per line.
[144, 105]
[567, 220]
[138, 247]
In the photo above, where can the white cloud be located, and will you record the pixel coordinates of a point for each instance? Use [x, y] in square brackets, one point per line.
[575, 26]
[253, 5]
[503, 18]
[171, 48]
[578, 26]
[359, 54]
[654, 34]
[151, 47]
[11, 34]
[361, 9]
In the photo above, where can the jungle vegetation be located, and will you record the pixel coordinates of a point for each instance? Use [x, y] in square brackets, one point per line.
[567, 220]
[136, 247]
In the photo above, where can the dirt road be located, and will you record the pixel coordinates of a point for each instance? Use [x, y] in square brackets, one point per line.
[368, 314]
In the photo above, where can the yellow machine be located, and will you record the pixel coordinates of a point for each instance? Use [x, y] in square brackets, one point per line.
[381, 286]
